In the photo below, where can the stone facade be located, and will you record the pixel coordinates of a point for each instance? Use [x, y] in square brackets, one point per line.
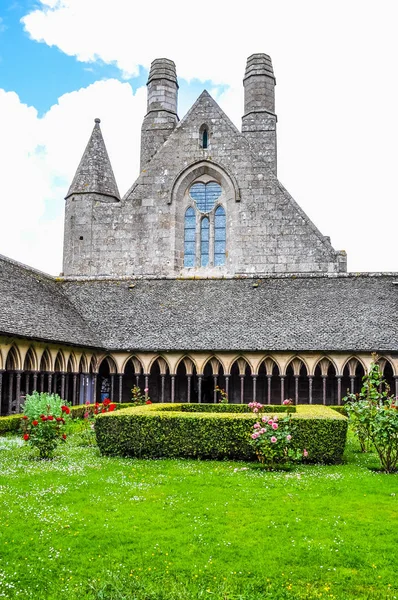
[143, 234]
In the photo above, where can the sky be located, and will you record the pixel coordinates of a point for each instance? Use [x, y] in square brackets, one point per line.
[65, 62]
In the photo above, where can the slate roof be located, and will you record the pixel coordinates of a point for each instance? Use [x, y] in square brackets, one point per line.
[321, 313]
[33, 305]
[94, 173]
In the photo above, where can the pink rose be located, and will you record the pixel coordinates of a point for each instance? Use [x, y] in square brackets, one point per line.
[270, 422]
[146, 390]
[264, 419]
[254, 436]
[255, 410]
[262, 430]
[274, 425]
[256, 426]
[273, 439]
[305, 453]
[288, 437]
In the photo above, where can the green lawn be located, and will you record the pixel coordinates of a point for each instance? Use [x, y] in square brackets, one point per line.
[82, 526]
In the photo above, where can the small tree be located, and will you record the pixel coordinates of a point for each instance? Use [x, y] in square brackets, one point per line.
[373, 414]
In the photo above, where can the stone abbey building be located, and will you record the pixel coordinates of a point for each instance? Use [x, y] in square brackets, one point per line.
[205, 273]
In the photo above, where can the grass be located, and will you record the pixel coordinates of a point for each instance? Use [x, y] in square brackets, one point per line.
[87, 527]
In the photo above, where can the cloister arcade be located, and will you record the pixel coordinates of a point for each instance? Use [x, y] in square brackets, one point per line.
[80, 375]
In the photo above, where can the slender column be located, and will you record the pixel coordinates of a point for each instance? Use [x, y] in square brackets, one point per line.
[120, 388]
[269, 379]
[62, 385]
[10, 392]
[137, 379]
[282, 388]
[242, 388]
[215, 391]
[338, 390]
[42, 382]
[50, 381]
[146, 385]
[188, 388]
[173, 384]
[396, 385]
[112, 386]
[162, 380]
[254, 387]
[310, 382]
[85, 387]
[200, 388]
[296, 382]
[94, 388]
[34, 381]
[324, 389]
[74, 389]
[27, 383]
[55, 383]
[17, 391]
[227, 385]
[1, 388]
[352, 380]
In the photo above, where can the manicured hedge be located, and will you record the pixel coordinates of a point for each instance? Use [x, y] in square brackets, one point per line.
[222, 408]
[172, 431]
[11, 423]
[340, 409]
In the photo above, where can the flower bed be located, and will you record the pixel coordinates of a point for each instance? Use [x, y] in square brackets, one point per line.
[178, 430]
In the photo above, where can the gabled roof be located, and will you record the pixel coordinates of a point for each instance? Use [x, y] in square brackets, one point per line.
[94, 173]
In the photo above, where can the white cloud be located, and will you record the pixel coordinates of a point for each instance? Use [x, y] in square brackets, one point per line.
[336, 101]
[42, 155]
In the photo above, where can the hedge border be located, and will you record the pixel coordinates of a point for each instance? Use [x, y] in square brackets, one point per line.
[156, 431]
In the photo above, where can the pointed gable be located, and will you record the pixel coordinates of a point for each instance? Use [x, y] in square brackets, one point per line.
[94, 173]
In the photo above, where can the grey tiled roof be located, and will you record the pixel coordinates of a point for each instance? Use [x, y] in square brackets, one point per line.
[340, 313]
[33, 305]
[347, 313]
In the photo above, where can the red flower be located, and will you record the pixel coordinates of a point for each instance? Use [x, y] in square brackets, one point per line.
[106, 402]
[35, 423]
[50, 418]
[103, 410]
[26, 437]
[43, 418]
[59, 419]
[24, 417]
[96, 411]
[148, 402]
[96, 404]
[112, 407]
[65, 409]
[64, 436]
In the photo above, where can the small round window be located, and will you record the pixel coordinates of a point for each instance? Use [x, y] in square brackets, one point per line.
[205, 195]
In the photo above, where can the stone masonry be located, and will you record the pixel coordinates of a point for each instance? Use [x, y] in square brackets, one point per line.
[142, 234]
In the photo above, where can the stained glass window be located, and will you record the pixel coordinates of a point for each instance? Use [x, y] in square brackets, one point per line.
[189, 238]
[219, 236]
[205, 195]
[204, 242]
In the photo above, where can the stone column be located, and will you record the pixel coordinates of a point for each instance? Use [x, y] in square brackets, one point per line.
[227, 385]
[188, 388]
[85, 387]
[242, 388]
[146, 384]
[137, 379]
[324, 389]
[18, 391]
[34, 381]
[296, 382]
[27, 383]
[396, 385]
[63, 386]
[254, 387]
[1, 387]
[200, 388]
[55, 381]
[352, 387]
[41, 382]
[94, 388]
[112, 387]
[121, 387]
[74, 389]
[173, 383]
[50, 381]
[310, 382]
[282, 378]
[338, 389]
[269, 379]
[10, 391]
[162, 381]
[215, 391]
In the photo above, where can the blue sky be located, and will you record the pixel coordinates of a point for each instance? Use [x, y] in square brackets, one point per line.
[65, 62]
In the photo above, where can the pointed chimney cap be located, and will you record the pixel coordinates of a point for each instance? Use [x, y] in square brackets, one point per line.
[94, 174]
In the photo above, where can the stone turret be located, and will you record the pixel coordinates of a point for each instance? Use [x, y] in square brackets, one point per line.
[93, 185]
[161, 117]
[259, 119]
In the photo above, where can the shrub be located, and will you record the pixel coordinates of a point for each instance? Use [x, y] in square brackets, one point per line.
[272, 439]
[9, 424]
[189, 430]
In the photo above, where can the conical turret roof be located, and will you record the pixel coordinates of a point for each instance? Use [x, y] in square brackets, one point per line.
[94, 173]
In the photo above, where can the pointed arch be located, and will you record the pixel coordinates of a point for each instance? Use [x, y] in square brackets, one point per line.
[45, 361]
[215, 363]
[269, 363]
[13, 359]
[31, 362]
[138, 367]
[108, 358]
[188, 361]
[60, 363]
[162, 365]
[323, 362]
[72, 364]
[83, 365]
[351, 361]
[204, 136]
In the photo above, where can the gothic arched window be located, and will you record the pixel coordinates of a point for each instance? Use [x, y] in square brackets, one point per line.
[205, 195]
[189, 238]
[204, 242]
[219, 236]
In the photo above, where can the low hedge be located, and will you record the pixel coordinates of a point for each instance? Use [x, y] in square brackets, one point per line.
[10, 423]
[173, 431]
[222, 408]
[340, 409]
